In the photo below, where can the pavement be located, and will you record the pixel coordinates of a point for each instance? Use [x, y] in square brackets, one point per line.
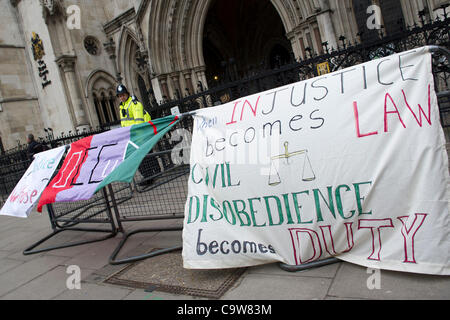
[46, 276]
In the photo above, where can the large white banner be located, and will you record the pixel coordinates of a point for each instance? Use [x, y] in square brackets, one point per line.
[25, 195]
[350, 164]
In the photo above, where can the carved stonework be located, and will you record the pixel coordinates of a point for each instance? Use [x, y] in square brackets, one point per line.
[66, 63]
[50, 5]
[52, 8]
[141, 62]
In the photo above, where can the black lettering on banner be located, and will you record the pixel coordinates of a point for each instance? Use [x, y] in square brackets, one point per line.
[202, 248]
[221, 140]
[318, 87]
[227, 247]
[404, 67]
[209, 146]
[78, 167]
[233, 145]
[245, 135]
[295, 118]
[342, 78]
[271, 127]
[273, 102]
[98, 161]
[378, 74]
[318, 118]
[304, 96]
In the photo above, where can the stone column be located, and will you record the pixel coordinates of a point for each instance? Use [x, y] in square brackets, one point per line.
[201, 76]
[176, 85]
[67, 65]
[295, 45]
[110, 48]
[188, 81]
[326, 25]
[164, 87]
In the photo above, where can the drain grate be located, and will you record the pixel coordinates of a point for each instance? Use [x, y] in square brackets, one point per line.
[166, 273]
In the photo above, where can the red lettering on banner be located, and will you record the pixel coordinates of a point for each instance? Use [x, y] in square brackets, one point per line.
[375, 225]
[390, 112]
[14, 195]
[253, 110]
[328, 239]
[234, 110]
[419, 121]
[246, 102]
[350, 242]
[358, 131]
[314, 243]
[408, 235]
[32, 195]
[23, 196]
[304, 238]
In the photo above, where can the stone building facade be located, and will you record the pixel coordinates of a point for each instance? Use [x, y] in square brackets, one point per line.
[60, 60]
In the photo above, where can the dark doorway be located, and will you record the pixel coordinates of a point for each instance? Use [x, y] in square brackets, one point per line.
[241, 37]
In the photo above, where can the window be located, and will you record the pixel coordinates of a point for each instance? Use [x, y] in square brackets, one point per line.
[92, 45]
[106, 107]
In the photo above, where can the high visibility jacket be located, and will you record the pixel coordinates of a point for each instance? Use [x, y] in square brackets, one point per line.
[132, 112]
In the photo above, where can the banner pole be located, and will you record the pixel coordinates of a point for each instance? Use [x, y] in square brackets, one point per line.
[186, 114]
[443, 50]
[306, 266]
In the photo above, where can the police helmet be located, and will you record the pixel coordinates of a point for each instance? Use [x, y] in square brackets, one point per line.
[121, 89]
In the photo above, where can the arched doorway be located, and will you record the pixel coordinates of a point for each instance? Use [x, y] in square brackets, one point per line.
[240, 37]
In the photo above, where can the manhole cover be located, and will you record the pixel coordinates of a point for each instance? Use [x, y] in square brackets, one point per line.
[166, 273]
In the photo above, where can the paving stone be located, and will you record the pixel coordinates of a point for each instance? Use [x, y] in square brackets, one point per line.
[276, 287]
[328, 271]
[96, 256]
[91, 291]
[8, 264]
[39, 288]
[351, 282]
[139, 294]
[26, 272]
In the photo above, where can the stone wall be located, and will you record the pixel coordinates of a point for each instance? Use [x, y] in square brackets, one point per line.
[18, 98]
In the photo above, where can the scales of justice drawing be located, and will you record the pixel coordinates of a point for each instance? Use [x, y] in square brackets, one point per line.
[296, 160]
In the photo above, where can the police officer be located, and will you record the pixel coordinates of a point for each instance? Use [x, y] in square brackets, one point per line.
[131, 110]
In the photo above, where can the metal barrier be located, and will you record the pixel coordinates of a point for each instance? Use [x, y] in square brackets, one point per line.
[159, 192]
[160, 196]
[65, 217]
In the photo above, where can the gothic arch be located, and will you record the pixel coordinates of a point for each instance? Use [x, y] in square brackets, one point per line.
[187, 19]
[176, 28]
[100, 93]
[128, 46]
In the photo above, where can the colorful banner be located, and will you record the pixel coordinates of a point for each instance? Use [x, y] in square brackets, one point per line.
[25, 195]
[350, 164]
[90, 160]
